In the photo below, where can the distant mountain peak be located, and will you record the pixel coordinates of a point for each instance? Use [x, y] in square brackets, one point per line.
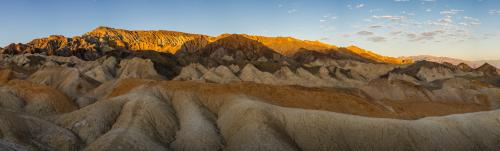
[464, 67]
[488, 69]
[454, 61]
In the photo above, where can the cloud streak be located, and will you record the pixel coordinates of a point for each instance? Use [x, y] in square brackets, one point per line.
[376, 39]
[364, 33]
[389, 17]
[494, 11]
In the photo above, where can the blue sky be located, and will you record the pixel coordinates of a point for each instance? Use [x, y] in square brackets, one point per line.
[468, 29]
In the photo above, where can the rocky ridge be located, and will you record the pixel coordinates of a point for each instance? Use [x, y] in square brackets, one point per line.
[455, 61]
[96, 43]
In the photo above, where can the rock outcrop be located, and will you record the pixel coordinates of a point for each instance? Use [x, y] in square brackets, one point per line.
[250, 73]
[137, 68]
[191, 72]
[221, 74]
[465, 67]
[488, 70]
[103, 72]
[430, 71]
[68, 80]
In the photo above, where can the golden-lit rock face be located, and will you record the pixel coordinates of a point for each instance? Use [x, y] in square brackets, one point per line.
[161, 40]
[103, 39]
[287, 45]
[171, 41]
[60, 44]
[377, 57]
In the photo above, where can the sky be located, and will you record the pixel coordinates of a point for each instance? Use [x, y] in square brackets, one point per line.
[466, 29]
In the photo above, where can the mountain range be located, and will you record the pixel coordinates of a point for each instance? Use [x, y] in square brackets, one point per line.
[105, 39]
[455, 61]
[115, 89]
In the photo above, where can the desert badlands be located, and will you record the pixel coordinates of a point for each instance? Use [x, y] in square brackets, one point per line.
[114, 89]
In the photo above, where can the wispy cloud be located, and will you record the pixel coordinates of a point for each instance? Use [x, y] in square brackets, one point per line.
[430, 35]
[448, 19]
[376, 26]
[439, 24]
[364, 33]
[445, 20]
[451, 12]
[411, 36]
[361, 5]
[329, 17]
[376, 39]
[423, 2]
[376, 10]
[494, 11]
[489, 35]
[470, 21]
[448, 28]
[396, 32]
[327, 23]
[389, 17]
